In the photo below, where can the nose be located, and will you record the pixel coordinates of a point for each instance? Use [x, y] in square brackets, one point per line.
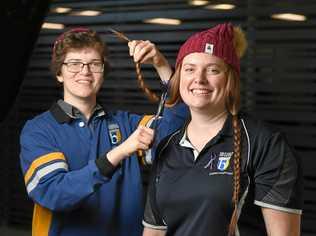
[200, 77]
[85, 69]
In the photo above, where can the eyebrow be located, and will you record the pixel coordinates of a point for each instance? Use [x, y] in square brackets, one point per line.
[210, 64]
[79, 60]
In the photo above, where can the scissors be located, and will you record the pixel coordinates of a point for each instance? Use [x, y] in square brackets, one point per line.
[163, 98]
[161, 106]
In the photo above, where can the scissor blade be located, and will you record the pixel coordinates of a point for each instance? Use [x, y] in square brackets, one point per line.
[159, 110]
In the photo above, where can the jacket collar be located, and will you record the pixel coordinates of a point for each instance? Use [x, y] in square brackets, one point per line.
[65, 113]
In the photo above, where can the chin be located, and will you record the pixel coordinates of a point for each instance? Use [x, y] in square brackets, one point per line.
[84, 96]
[200, 106]
[84, 93]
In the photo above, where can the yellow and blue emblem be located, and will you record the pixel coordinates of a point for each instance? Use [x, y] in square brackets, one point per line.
[224, 160]
[115, 134]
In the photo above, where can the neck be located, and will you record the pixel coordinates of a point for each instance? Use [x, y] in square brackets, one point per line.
[208, 119]
[202, 128]
[206, 126]
[84, 106]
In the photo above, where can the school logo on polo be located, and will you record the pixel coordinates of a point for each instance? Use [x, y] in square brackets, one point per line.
[224, 160]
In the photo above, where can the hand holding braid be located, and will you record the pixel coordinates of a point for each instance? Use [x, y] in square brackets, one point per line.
[147, 53]
[151, 95]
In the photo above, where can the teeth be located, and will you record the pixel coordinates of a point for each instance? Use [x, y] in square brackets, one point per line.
[84, 82]
[200, 91]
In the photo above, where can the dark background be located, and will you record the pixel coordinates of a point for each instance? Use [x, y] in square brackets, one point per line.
[278, 74]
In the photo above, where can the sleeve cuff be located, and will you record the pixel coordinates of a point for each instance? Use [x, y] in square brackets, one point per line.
[157, 227]
[105, 166]
[278, 208]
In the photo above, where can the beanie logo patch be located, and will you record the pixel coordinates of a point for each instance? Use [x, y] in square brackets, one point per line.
[209, 48]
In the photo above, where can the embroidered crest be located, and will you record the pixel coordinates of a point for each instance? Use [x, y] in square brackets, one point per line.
[115, 134]
[209, 48]
[223, 160]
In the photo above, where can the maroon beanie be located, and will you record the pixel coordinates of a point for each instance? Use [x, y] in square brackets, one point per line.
[217, 41]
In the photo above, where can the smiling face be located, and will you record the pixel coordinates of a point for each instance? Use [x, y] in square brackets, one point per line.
[203, 80]
[84, 85]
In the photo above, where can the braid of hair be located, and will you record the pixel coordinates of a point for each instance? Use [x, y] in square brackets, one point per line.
[151, 96]
[236, 177]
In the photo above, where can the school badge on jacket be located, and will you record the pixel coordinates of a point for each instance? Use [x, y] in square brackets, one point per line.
[114, 133]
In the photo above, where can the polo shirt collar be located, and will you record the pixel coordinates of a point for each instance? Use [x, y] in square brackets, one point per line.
[227, 130]
[182, 137]
[64, 112]
[185, 142]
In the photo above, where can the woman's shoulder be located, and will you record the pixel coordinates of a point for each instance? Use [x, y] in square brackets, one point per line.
[170, 140]
[255, 126]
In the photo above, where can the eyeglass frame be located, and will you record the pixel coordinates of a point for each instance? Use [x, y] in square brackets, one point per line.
[83, 65]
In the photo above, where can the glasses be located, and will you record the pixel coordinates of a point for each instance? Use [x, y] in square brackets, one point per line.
[75, 67]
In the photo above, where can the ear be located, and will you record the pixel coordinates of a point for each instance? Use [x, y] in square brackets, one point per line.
[60, 78]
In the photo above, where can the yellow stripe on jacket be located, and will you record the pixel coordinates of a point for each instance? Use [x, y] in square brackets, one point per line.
[42, 219]
[41, 161]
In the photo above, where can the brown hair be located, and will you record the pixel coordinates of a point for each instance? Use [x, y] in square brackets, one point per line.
[236, 175]
[174, 84]
[77, 38]
[233, 106]
[232, 94]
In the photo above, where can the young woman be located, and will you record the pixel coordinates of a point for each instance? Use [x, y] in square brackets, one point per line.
[78, 160]
[223, 173]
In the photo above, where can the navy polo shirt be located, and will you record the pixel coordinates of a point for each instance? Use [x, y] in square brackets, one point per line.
[190, 193]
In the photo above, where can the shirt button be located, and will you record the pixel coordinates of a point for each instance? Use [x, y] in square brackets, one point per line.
[81, 124]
